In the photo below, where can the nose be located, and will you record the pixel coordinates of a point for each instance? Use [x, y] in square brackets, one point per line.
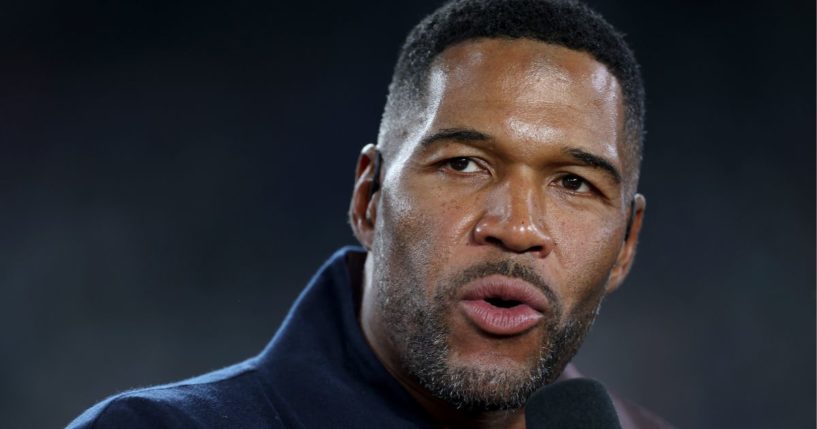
[513, 220]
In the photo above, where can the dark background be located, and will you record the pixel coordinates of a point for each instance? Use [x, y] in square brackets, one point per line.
[171, 174]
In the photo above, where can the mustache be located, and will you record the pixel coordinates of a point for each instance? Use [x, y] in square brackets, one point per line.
[510, 269]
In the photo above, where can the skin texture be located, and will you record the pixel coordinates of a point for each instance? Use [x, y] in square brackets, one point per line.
[502, 174]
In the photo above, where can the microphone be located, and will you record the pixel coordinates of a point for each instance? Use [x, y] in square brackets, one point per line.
[571, 404]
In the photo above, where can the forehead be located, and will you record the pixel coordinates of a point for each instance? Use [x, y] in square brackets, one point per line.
[522, 90]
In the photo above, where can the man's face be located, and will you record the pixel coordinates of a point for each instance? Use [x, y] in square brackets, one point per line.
[501, 223]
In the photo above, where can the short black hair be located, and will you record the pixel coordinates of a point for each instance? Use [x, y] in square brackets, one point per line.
[567, 23]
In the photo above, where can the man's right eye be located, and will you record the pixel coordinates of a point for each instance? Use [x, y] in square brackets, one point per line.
[463, 165]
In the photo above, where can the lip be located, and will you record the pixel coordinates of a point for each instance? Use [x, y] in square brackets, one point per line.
[530, 305]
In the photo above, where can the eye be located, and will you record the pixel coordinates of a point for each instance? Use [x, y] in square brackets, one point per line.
[463, 165]
[574, 183]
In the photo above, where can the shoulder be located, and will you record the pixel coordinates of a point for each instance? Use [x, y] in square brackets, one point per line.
[630, 414]
[635, 416]
[231, 397]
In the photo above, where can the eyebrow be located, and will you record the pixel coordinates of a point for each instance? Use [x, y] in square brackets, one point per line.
[455, 134]
[594, 161]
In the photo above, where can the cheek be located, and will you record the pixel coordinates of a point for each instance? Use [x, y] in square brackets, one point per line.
[587, 246]
[422, 227]
[434, 213]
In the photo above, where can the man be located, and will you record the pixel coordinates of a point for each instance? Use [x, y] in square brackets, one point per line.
[497, 210]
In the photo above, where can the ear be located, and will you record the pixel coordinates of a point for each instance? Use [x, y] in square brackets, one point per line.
[363, 207]
[626, 254]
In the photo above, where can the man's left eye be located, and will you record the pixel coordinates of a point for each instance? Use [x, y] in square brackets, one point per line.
[463, 165]
[575, 184]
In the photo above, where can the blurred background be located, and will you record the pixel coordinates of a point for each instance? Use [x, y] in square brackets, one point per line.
[172, 173]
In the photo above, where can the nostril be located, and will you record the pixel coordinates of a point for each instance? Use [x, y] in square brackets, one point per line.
[495, 241]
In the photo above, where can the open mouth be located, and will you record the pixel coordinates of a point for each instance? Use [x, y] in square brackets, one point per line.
[503, 306]
[502, 303]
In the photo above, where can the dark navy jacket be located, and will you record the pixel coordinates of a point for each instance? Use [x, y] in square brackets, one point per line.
[317, 372]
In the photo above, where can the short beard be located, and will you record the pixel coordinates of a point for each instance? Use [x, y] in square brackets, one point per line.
[418, 329]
